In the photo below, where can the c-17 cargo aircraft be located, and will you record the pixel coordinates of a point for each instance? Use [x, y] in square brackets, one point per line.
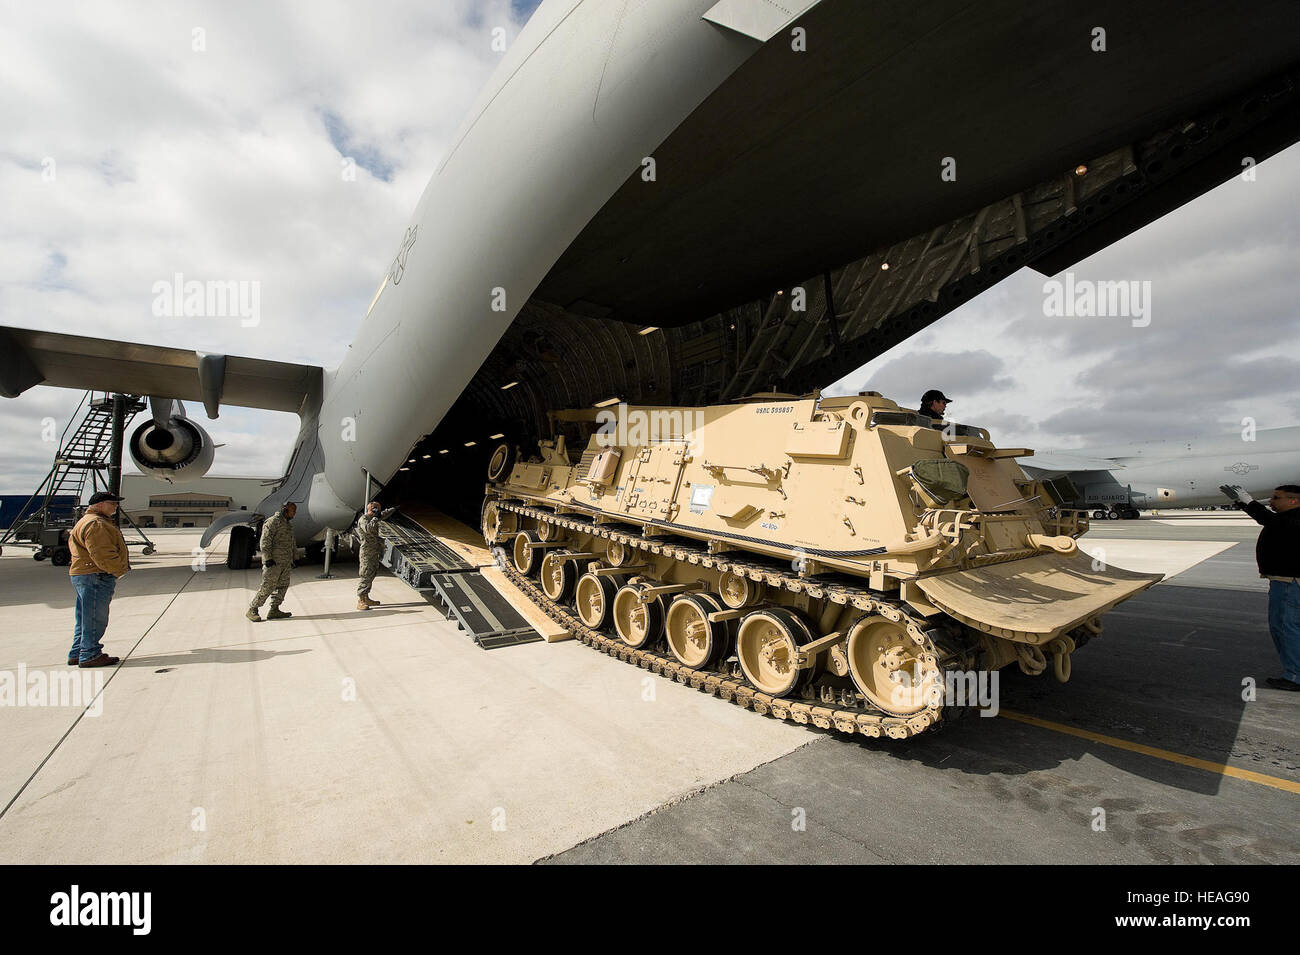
[639, 188]
[1116, 481]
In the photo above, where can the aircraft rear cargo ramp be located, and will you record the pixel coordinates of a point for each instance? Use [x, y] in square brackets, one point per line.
[1034, 600]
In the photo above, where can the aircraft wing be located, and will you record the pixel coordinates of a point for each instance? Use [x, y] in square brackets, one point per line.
[29, 357]
[1065, 462]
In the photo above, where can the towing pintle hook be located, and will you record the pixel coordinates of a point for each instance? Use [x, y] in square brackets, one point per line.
[1061, 648]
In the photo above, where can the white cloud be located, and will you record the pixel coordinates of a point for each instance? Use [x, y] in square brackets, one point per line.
[1222, 342]
[219, 164]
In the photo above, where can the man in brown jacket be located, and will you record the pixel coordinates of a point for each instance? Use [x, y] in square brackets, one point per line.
[98, 559]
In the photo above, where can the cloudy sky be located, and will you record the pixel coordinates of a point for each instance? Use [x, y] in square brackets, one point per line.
[212, 140]
[1221, 341]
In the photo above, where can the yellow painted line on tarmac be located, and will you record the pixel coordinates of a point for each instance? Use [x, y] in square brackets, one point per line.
[1217, 768]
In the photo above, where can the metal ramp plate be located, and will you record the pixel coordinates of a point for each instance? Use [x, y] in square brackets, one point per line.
[446, 579]
[415, 555]
[479, 609]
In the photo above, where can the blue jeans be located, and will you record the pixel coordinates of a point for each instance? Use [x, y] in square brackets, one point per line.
[1284, 624]
[94, 591]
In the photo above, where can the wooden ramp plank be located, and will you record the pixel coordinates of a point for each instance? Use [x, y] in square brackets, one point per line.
[548, 628]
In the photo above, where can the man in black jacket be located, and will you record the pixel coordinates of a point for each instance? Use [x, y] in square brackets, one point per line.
[1278, 554]
[935, 404]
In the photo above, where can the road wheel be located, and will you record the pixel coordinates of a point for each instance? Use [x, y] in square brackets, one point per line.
[767, 644]
[594, 599]
[890, 669]
[525, 554]
[693, 640]
[558, 575]
[638, 624]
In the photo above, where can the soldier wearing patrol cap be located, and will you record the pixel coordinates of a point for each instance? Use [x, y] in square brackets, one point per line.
[278, 549]
[368, 535]
[935, 404]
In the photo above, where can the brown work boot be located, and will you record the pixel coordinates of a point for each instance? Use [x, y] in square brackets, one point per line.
[275, 613]
[363, 603]
[103, 660]
[252, 615]
[371, 600]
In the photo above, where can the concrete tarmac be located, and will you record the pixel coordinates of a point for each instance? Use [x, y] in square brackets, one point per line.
[348, 736]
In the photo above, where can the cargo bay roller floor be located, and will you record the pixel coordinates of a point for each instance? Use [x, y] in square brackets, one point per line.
[389, 735]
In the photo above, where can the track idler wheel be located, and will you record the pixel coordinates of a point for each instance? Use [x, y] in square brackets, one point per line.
[559, 574]
[594, 599]
[767, 645]
[693, 640]
[890, 669]
[638, 624]
[527, 558]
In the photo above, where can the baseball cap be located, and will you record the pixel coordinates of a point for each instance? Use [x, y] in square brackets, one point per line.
[102, 496]
[933, 395]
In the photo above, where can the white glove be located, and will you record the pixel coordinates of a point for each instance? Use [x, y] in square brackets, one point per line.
[1238, 493]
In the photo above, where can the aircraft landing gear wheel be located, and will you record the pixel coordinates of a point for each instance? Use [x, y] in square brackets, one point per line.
[61, 558]
[240, 550]
[594, 599]
[890, 669]
[693, 640]
[39, 555]
[767, 643]
[558, 575]
[524, 554]
[1098, 515]
[637, 624]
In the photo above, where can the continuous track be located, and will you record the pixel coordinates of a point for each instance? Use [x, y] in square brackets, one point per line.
[864, 719]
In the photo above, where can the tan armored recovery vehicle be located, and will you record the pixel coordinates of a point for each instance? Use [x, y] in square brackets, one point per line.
[841, 562]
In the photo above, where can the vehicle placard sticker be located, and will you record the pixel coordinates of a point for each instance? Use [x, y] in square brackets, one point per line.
[701, 494]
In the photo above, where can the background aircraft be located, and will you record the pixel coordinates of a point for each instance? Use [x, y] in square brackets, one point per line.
[1174, 473]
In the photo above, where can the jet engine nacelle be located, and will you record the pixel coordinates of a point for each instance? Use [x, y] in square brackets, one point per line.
[177, 451]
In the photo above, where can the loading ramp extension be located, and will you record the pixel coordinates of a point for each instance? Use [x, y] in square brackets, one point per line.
[447, 579]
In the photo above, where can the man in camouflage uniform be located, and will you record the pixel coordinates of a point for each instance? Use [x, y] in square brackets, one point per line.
[371, 548]
[278, 550]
